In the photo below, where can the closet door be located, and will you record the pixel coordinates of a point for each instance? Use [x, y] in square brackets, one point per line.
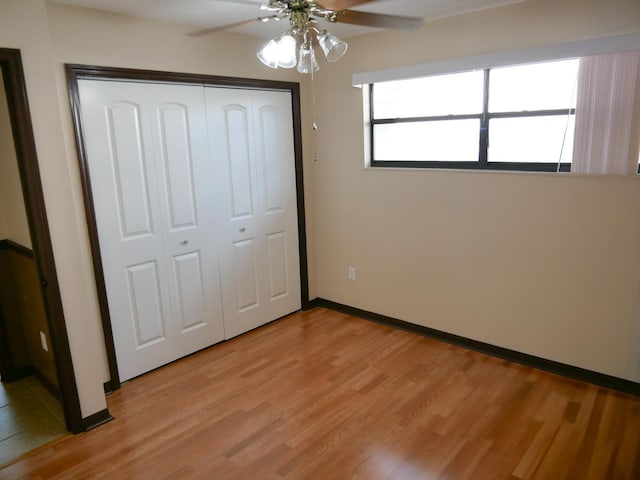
[150, 179]
[251, 142]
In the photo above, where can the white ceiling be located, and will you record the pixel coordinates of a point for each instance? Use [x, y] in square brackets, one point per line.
[212, 13]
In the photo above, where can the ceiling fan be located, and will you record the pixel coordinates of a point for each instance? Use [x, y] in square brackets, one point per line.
[295, 46]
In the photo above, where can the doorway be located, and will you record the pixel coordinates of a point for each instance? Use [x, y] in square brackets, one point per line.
[35, 266]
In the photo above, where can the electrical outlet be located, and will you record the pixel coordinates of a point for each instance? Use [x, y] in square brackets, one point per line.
[352, 273]
[43, 340]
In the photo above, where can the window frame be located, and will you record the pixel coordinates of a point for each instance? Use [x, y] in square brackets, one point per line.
[482, 163]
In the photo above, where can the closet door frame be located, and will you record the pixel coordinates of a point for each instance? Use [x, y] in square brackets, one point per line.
[77, 72]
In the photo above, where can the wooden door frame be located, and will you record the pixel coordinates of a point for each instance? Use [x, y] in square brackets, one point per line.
[77, 72]
[24, 142]
[6, 364]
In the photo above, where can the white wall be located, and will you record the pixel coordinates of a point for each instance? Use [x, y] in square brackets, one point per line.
[13, 216]
[544, 264]
[24, 25]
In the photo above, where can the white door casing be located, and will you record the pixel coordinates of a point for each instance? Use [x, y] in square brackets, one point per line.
[251, 142]
[150, 178]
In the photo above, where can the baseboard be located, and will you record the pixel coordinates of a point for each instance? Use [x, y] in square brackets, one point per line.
[109, 387]
[48, 384]
[569, 371]
[97, 419]
[19, 373]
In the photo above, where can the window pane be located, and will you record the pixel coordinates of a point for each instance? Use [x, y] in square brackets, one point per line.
[449, 140]
[538, 86]
[531, 139]
[456, 94]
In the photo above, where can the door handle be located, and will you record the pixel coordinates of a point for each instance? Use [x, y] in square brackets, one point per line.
[184, 242]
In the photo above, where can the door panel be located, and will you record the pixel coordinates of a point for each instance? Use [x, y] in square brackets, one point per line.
[269, 149]
[246, 275]
[148, 159]
[178, 165]
[251, 140]
[277, 265]
[190, 291]
[275, 162]
[126, 200]
[129, 170]
[184, 176]
[144, 301]
[239, 165]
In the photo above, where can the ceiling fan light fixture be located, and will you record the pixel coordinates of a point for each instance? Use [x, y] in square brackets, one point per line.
[332, 47]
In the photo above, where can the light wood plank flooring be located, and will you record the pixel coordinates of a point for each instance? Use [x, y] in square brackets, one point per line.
[322, 395]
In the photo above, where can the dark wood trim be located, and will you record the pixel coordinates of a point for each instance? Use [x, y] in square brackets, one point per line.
[17, 248]
[95, 420]
[6, 364]
[20, 117]
[108, 387]
[19, 373]
[156, 76]
[46, 383]
[76, 72]
[569, 371]
[92, 227]
[302, 228]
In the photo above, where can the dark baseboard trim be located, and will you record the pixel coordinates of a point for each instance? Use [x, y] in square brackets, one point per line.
[19, 373]
[109, 387]
[28, 370]
[97, 419]
[7, 244]
[576, 373]
[48, 384]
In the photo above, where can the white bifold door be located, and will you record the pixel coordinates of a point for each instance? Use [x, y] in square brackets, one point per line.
[251, 138]
[194, 196]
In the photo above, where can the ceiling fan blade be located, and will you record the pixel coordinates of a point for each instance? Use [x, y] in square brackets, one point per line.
[207, 31]
[341, 4]
[378, 20]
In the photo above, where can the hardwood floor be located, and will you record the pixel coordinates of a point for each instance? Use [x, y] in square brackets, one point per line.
[321, 395]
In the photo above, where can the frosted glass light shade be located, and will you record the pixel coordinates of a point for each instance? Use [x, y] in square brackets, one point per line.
[286, 51]
[269, 53]
[307, 60]
[279, 53]
[332, 47]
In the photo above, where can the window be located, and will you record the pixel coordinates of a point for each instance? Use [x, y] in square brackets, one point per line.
[508, 118]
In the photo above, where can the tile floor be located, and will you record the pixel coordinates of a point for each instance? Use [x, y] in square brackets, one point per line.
[29, 417]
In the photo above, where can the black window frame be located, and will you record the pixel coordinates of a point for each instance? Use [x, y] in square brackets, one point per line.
[482, 163]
